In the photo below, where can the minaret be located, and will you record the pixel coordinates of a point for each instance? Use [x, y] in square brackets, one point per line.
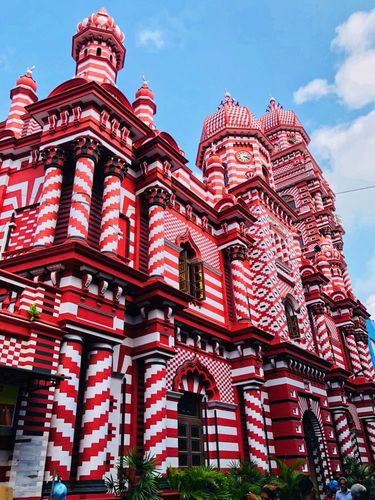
[144, 105]
[98, 48]
[22, 94]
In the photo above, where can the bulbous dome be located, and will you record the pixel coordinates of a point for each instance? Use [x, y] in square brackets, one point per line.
[328, 253]
[213, 159]
[144, 91]
[27, 80]
[277, 116]
[101, 20]
[229, 115]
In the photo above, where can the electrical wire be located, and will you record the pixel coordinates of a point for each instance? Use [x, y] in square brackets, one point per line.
[354, 190]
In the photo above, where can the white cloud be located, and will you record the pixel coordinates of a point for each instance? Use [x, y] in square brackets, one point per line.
[348, 149]
[314, 90]
[357, 33]
[370, 305]
[151, 38]
[354, 81]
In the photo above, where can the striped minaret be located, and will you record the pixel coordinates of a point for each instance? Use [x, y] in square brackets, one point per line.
[54, 158]
[370, 431]
[63, 422]
[343, 432]
[24, 93]
[237, 255]
[86, 154]
[114, 172]
[214, 172]
[98, 48]
[157, 199]
[353, 349]
[322, 332]
[255, 427]
[92, 460]
[155, 410]
[144, 105]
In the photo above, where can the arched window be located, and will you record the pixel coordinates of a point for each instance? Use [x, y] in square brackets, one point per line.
[265, 173]
[85, 52]
[291, 319]
[191, 274]
[290, 201]
[98, 51]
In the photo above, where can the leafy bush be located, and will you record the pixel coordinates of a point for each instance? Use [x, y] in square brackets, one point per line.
[136, 478]
[200, 483]
[362, 474]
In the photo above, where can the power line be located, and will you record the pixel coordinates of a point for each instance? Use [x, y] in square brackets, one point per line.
[358, 189]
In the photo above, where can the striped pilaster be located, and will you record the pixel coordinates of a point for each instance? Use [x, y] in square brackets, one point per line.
[353, 352]
[93, 445]
[322, 332]
[370, 431]
[114, 172]
[365, 357]
[346, 278]
[157, 199]
[255, 427]
[54, 158]
[86, 153]
[237, 255]
[63, 422]
[343, 433]
[155, 410]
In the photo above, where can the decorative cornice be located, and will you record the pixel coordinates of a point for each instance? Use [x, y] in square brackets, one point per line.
[86, 147]
[115, 166]
[53, 157]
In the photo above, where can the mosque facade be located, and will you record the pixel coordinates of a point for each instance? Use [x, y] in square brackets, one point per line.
[203, 319]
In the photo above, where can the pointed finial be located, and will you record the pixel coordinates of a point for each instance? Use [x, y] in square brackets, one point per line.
[227, 94]
[29, 71]
[103, 10]
[145, 82]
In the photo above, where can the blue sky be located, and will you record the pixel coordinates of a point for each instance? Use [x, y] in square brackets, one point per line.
[314, 56]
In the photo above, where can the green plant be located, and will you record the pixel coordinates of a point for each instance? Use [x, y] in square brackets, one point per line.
[200, 483]
[288, 479]
[357, 473]
[244, 477]
[33, 312]
[136, 478]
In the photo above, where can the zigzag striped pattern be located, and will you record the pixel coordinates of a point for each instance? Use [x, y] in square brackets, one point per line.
[370, 428]
[255, 427]
[110, 215]
[343, 433]
[156, 258]
[239, 290]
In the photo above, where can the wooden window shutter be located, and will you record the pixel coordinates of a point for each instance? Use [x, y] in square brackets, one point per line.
[197, 280]
[183, 272]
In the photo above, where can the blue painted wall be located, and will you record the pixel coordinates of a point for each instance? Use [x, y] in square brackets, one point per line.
[371, 340]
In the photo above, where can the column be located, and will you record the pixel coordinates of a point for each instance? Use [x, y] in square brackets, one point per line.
[114, 172]
[353, 350]
[63, 422]
[364, 355]
[237, 255]
[54, 159]
[93, 445]
[343, 432]
[318, 201]
[370, 431]
[157, 199]
[155, 408]
[86, 153]
[322, 332]
[256, 432]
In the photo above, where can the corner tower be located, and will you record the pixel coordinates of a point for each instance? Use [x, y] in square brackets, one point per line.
[98, 48]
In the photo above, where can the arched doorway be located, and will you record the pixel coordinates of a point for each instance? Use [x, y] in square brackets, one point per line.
[313, 437]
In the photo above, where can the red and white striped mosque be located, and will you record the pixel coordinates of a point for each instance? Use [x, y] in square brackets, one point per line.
[202, 321]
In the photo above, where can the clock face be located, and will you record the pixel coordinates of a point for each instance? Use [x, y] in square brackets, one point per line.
[243, 156]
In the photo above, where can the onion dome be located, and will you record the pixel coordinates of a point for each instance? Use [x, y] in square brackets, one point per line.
[213, 159]
[27, 80]
[230, 115]
[103, 21]
[144, 92]
[328, 253]
[278, 117]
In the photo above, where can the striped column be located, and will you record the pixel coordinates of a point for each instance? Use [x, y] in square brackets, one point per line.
[370, 431]
[322, 332]
[86, 154]
[157, 199]
[63, 422]
[93, 445]
[256, 432]
[155, 410]
[365, 356]
[343, 432]
[353, 350]
[54, 159]
[237, 255]
[114, 172]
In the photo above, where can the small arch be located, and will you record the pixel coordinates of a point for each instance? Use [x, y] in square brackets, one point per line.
[98, 51]
[315, 448]
[291, 312]
[85, 52]
[265, 173]
[194, 375]
[289, 200]
[185, 241]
